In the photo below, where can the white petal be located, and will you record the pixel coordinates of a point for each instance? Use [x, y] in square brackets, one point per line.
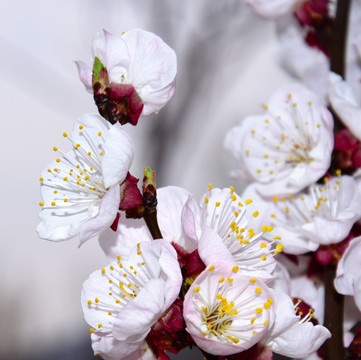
[152, 69]
[289, 337]
[107, 213]
[113, 53]
[345, 104]
[119, 153]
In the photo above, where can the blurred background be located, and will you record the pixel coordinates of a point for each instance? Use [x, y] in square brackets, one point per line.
[226, 69]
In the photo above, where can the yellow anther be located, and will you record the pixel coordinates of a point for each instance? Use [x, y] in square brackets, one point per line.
[221, 280]
[287, 210]
[247, 152]
[218, 203]
[235, 268]
[263, 257]
[252, 280]
[219, 296]
[338, 172]
[232, 189]
[210, 187]
[234, 197]
[253, 320]
[103, 271]
[118, 257]
[121, 266]
[256, 213]
[248, 201]
[275, 198]
[65, 134]
[65, 200]
[196, 289]
[81, 127]
[258, 290]
[109, 313]
[277, 237]
[267, 305]
[264, 228]
[89, 153]
[206, 200]
[100, 326]
[211, 268]
[259, 310]
[101, 153]
[263, 245]
[41, 179]
[89, 302]
[99, 133]
[53, 203]
[270, 301]
[86, 177]
[253, 131]
[41, 203]
[236, 213]
[266, 156]
[111, 267]
[325, 179]
[65, 178]
[269, 228]
[259, 171]
[139, 253]
[229, 280]
[265, 106]
[265, 323]
[55, 148]
[273, 215]
[110, 281]
[57, 160]
[91, 330]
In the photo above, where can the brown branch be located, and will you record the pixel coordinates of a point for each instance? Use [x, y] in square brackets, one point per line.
[333, 348]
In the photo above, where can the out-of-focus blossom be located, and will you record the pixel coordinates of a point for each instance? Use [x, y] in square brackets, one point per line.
[125, 299]
[227, 313]
[137, 61]
[324, 215]
[176, 211]
[231, 231]
[287, 148]
[272, 9]
[81, 189]
[348, 276]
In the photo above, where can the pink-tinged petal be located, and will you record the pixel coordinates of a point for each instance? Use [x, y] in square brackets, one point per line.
[111, 349]
[290, 336]
[191, 223]
[345, 104]
[137, 317]
[107, 213]
[85, 75]
[118, 156]
[348, 268]
[176, 209]
[152, 69]
[211, 248]
[113, 53]
[271, 9]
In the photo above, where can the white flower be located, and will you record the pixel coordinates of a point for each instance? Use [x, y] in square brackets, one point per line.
[344, 102]
[323, 216]
[177, 211]
[124, 300]
[81, 189]
[231, 231]
[348, 276]
[227, 313]
[287, 148]
[139, 58]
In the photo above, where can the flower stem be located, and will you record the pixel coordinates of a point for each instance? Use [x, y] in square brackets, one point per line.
[333, 348]
[150, 218]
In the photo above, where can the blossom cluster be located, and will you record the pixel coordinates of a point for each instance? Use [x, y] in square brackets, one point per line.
[209, 274]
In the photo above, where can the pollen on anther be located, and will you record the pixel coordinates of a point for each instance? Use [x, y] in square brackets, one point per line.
[53, 203]
[196, 289]
[65, 134]
[91, 330]
[210, 187]
[96, 300]
[57, 160]
[252, 280]
[263, 257]
[41, 203]
[211, 268]
[259, 310]
[258, 290]
[103, 271]
[256, 213]
[101, 153]
[248, 201]
[55, 148]
[89, 302]
[99, 133]
[100, 326]
[235, 268]
[232, 189]
[218, 203]
[230, 280]
[65, 200]
[118, 257]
